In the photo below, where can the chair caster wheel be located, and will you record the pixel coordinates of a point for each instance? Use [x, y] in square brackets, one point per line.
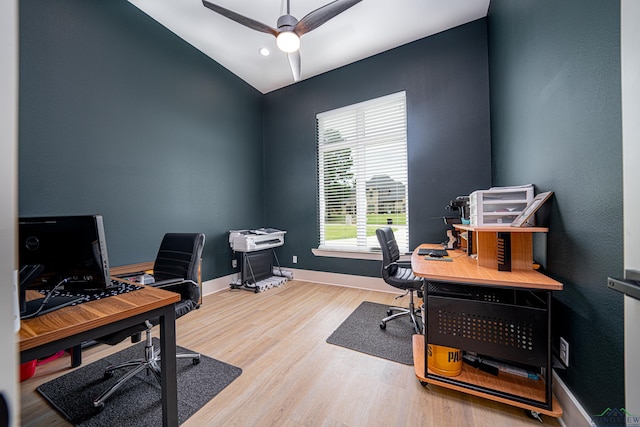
[383, 325]
[108, 375]
[98, 406]
[389, 312]
[196, 361]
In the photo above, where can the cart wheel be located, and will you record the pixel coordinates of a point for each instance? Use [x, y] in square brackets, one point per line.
[383, 325]
[534, 415]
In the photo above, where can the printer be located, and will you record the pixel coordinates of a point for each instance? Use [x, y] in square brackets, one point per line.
[255, 240]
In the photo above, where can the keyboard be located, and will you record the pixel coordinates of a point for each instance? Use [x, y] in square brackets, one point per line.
[64, 298]
[436, 253]
[117, 287]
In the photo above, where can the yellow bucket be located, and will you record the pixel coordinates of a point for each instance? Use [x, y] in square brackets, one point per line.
[445, 361]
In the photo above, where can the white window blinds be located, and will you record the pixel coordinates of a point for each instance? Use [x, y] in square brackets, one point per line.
[362, 173]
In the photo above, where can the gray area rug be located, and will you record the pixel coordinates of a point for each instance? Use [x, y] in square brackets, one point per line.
[138, 402]
[361, 332]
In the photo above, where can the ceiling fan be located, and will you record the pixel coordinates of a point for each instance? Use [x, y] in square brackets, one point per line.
[289, 28]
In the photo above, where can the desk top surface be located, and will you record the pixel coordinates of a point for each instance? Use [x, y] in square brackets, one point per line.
[464, 269]
[72, 320]
[497, 228]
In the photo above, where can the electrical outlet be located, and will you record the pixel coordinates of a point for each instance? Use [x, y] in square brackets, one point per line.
[234, 263]
[295, 259]
[564, 352]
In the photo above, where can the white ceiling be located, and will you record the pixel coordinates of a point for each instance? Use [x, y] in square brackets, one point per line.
[366, 29]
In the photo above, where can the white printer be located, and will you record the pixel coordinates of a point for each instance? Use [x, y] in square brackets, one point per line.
[255, 240]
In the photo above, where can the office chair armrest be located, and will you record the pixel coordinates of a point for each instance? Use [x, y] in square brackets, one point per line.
[188, 289]
[399, 264]
[168, 282]
[386, 267]
[175, 285]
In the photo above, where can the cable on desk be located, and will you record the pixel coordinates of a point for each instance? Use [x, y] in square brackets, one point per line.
[45, 300]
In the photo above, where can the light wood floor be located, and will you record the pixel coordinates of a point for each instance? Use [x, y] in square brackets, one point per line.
[291, 376]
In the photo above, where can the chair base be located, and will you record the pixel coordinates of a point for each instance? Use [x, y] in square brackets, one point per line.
[151, 363]
[403, 311]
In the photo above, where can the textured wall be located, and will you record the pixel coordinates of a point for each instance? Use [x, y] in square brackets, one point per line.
[556, 123]
[445, 77]
[119, 116]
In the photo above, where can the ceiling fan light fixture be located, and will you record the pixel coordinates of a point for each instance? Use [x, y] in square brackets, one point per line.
[289, 29]
[288, 41]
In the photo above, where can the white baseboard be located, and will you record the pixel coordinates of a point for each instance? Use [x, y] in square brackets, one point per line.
[346, 280]
[335, 279]
[216, 285]
[574, 415]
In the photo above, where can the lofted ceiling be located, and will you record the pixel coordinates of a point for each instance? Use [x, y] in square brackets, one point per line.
[368, 28]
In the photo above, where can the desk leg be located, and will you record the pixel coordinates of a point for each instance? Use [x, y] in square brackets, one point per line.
[76, 356]
[168, 368]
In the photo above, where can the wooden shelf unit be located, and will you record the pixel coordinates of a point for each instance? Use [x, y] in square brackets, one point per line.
[471, 377]
[480, 285]
[484, 241]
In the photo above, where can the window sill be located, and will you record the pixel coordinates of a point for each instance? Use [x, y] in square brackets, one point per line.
[342, 253]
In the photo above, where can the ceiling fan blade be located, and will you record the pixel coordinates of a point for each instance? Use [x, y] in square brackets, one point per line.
[247, 22]
[294, 61]
[321, 15]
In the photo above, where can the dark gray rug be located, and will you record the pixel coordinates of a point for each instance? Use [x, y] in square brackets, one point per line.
[361, 332]
[138, 402]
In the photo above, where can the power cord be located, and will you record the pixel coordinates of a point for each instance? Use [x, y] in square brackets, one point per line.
[45, 300]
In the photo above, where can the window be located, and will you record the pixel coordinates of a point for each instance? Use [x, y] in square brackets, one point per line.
[362, 173]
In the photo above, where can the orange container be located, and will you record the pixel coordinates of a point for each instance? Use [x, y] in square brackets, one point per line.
[27, 370]
[445, 361]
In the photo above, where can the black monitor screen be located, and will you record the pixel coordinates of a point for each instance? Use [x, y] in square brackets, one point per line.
[68, 247]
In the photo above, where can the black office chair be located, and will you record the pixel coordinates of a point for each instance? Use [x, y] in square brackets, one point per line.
[398, 275]
[176, 269]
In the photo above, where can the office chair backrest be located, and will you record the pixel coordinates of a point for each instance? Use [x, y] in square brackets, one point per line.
[390, 251]
[179, 258]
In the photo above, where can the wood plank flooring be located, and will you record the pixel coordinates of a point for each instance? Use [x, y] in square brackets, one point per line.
[291, 376]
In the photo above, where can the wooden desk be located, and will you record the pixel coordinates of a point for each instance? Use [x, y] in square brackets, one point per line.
[70, 326]
[131, 268]
[463, 269]
[493, 296]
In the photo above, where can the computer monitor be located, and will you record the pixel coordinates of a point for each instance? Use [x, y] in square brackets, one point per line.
[67, 247]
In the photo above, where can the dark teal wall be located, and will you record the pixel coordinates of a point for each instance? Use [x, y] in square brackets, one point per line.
[119, 116]
[445, 77]
[556, 123]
